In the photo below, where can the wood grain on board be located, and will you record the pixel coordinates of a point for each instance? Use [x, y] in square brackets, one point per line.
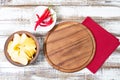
[16, 15]
[69, 47]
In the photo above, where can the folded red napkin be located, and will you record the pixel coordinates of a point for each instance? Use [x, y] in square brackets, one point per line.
[106, 43]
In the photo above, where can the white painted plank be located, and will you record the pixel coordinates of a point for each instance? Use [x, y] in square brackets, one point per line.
[63, 12]
[19, 18]
[8, 28]
[61, 2]
[105, 74]
[111, 26]
[35, 73]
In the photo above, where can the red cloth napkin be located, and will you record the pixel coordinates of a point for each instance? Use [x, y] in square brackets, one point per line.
[106, 43]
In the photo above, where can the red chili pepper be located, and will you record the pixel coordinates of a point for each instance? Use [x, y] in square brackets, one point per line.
[44, 15]
[47, 23]
[37, 16]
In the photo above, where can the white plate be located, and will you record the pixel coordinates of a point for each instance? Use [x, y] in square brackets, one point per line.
[40, 10]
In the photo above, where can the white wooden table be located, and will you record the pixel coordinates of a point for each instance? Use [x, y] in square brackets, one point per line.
[16, 15]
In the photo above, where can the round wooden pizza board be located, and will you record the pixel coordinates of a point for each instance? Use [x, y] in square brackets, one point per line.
[69, 46]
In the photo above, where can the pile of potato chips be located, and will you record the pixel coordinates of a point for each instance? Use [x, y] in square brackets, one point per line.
[22, 48]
